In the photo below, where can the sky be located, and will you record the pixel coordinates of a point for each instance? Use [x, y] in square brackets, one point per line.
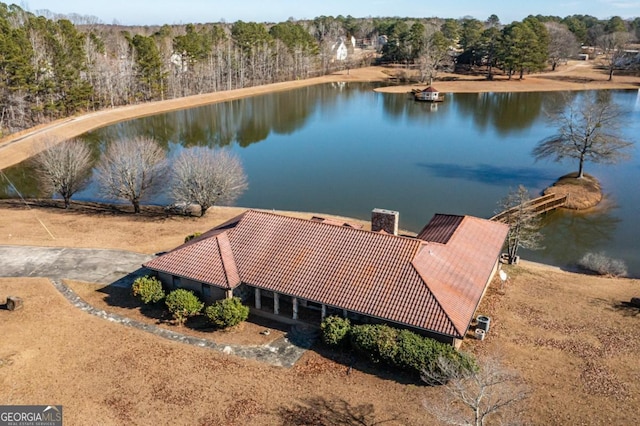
[158, 12]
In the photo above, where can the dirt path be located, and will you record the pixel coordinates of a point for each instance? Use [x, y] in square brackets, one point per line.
[574, 76]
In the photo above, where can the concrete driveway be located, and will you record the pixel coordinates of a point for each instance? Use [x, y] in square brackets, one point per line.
[91, 265]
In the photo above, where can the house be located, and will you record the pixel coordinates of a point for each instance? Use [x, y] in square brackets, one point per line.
[339, 50]
[308, 269]
[430, 94]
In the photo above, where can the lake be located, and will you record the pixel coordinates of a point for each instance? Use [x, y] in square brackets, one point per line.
[344, 149]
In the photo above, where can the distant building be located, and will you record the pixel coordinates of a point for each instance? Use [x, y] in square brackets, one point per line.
[340, 50]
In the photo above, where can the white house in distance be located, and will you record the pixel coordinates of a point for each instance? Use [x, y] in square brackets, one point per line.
[340, 50]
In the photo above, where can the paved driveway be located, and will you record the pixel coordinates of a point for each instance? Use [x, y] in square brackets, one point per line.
[119, 268]
[92, 265]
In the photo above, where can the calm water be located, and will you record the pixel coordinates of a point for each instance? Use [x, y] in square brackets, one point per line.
[344, 149]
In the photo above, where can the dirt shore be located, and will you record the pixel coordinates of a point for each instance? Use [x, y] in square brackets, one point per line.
[576, 75]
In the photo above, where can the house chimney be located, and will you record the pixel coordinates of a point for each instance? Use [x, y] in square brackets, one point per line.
[384, 220]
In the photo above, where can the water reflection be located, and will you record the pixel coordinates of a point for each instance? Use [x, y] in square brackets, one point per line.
[568, 235]
[507, 112]
[492, 175]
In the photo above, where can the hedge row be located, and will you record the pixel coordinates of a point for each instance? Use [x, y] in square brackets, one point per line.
[398, 348]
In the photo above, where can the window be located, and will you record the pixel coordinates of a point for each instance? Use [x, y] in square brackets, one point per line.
[206, 291]
[176, 282]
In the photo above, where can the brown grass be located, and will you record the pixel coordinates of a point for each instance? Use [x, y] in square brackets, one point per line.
[581, 193]
[572, 338]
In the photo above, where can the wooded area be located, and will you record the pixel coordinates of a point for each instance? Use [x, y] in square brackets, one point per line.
[53, 66]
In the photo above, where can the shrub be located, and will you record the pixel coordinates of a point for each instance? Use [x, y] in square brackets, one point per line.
[377, 342]
[227, 312]
[409, 351]
[603, 265]
[192, 236]
[148, 289]
[334, 330]
[183, 304]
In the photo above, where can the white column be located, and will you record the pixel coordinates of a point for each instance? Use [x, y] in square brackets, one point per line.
[258, 300]
[294, 301]
[229, 294]
[276, 303]
[323, 311]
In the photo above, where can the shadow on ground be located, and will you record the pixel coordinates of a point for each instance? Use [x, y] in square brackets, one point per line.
[627, 309]
[320, 411]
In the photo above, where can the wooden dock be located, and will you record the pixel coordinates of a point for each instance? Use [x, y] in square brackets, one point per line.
[536, 206]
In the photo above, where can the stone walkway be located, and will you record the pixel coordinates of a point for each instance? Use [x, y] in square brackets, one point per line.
[120, 268]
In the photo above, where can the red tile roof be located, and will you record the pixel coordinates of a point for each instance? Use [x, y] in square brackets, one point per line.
[440, 228]
[427, 285]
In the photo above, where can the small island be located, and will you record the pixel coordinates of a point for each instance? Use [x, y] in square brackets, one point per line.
[582, 193]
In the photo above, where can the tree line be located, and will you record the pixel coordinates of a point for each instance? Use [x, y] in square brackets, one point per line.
[53, 66]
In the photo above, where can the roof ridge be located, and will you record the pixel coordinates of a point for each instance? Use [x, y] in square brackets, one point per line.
[328, 224]
[435, 297]
[229, 265]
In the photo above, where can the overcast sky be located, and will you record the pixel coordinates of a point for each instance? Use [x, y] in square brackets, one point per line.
[158, 12]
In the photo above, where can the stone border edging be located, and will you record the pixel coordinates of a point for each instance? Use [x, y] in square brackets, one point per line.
[280, 352]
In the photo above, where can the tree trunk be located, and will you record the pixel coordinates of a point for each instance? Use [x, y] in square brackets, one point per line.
[581, 168]
[611, 73]
[67, 202]
[136, 206]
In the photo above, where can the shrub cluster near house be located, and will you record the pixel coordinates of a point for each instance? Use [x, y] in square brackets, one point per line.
[402, 349]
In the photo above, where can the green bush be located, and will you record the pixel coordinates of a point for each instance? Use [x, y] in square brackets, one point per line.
[183, 304]
[227, 312]
[376, 342]
[192, 236]
[414, 351]
[335, 329]
[408, 351]
[148, 289]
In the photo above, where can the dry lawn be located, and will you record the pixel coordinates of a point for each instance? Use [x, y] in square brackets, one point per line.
[571, 337]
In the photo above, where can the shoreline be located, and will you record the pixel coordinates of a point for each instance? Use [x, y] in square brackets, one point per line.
[84, 218]
[576, 75]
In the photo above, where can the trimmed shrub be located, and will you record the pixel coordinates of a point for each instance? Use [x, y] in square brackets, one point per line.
[603, 265]
[335, 329]
[192, 236]
[183, 304]
[376, 342]
[409, 351]
[227, 312]
[148, 289]
[414, 351]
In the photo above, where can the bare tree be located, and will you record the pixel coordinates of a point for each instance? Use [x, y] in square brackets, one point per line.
[64, 168]
[131, 169]
[206, 176]
[563, 44]
[589, 131]
[524, 224]
[614, 45]
[434, 54]
[489, 395]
